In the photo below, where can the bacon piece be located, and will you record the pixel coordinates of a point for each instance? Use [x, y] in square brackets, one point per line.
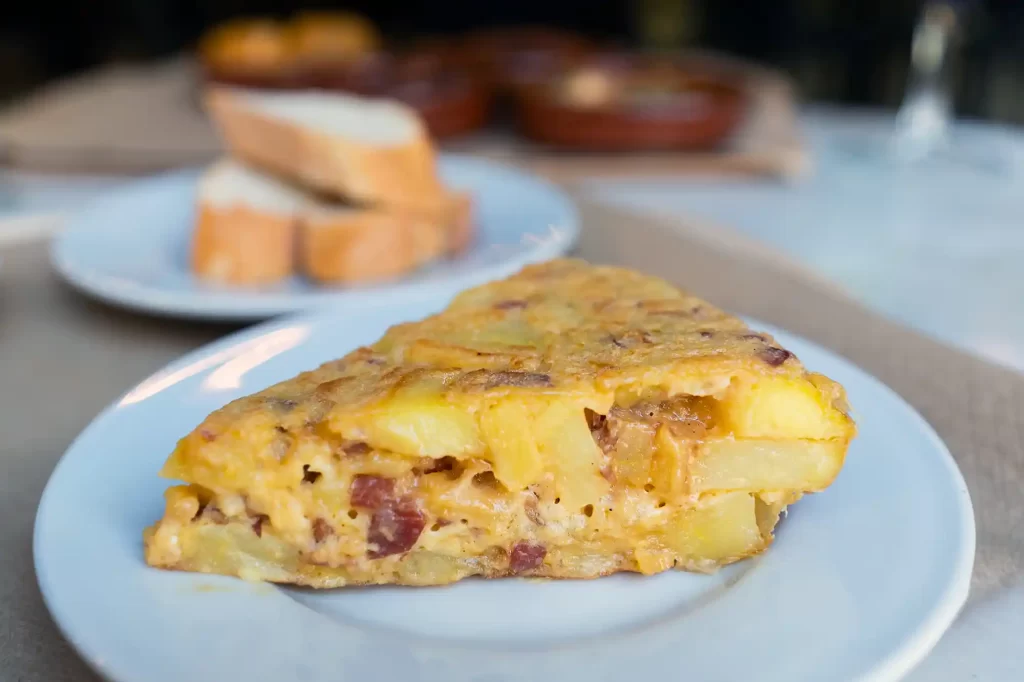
[371, 492]
[321, 530]
[394, 528]
[526, 556]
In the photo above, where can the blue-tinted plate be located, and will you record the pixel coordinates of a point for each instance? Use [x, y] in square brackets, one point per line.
[860, 584]
[131, 248]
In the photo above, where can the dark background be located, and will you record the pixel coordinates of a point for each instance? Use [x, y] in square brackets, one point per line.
[845, 51]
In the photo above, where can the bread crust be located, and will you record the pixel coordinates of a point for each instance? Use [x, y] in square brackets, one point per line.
[460, 222]
[238, 244]
[403, 175]
[366, 245]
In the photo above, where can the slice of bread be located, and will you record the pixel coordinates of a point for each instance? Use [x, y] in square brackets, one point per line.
[374, 243]
[459, 221]
[357, 149]
[246, 226]
[364, 245]
[252, 228]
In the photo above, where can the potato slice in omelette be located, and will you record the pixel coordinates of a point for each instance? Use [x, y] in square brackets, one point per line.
[570, 421]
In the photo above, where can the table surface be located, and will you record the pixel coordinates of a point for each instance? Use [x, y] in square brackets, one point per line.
[937, 246]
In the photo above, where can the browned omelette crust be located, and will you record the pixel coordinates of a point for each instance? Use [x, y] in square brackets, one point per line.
[560, 349]
[578, 325]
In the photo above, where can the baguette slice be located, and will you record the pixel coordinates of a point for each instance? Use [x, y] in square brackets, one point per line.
[460, 221]
[357, 149]
[246, 226]
[376, 243]
[359, 245]
[249, 224]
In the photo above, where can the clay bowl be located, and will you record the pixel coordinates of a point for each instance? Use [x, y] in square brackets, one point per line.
[514, 57]
[624, 102]
[281, 78]
[448, 96]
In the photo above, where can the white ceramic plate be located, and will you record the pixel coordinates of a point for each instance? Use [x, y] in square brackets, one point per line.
[131, 248]
[861, 582]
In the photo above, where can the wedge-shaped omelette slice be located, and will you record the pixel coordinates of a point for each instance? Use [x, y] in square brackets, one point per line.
[571, 421]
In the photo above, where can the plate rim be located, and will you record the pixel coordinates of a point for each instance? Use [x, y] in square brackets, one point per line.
[224, 306]
[914, 648]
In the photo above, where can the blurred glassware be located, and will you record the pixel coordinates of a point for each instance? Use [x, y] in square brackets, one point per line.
[922, 121]
[922, 133]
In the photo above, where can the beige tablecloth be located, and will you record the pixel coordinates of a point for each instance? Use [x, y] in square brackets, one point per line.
[63, 358]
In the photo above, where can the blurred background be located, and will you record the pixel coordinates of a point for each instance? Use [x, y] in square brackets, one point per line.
[852, 53]
[877, 143]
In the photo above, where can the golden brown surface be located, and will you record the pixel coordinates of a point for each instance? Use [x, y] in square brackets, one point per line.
[571, 421]
[247, 45]
[367, 244]
[255, 45]
[461, 222]
[242, 245]
[400, 175]
[332, 36]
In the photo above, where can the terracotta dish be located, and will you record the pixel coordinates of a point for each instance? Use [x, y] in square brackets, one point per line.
[621, 102]
[511, 58]
[452, 99]
[449, 97]
[258, 52]
[250, 52]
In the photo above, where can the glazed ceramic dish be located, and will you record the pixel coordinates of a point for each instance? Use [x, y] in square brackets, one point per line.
[131, 248]
[626, 102]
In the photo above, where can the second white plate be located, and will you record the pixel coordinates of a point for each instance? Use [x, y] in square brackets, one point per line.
[131, 248]
[859, 585]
